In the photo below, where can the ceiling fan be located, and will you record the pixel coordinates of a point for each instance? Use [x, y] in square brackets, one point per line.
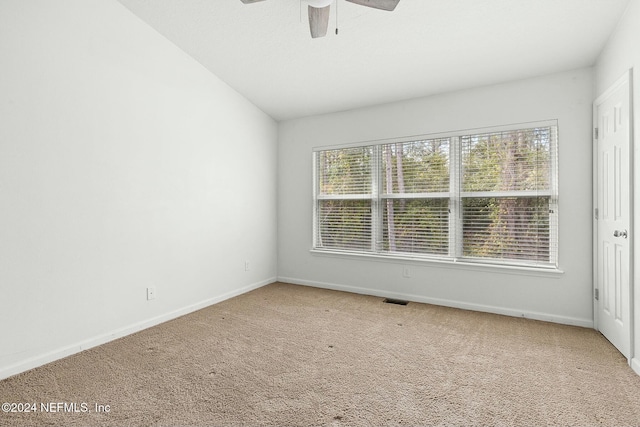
[319, 12]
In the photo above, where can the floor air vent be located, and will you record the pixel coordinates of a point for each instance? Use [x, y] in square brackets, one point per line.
[395, 301]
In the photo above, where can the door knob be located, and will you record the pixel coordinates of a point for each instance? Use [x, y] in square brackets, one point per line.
[619, 233]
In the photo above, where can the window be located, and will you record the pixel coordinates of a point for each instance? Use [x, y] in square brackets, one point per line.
[486, 197]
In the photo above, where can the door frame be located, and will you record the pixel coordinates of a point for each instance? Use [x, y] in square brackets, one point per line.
[627, 77]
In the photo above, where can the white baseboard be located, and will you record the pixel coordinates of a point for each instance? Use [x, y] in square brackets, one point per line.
[565, 320]
[60, 353]
[635, 365]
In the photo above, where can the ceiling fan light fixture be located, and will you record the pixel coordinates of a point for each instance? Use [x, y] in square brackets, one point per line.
[319, 12]
[319, 3]
[318, 21]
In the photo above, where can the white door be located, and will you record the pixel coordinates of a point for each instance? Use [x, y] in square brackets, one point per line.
[613, 237]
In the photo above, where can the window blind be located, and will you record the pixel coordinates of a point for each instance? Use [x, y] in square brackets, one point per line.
[475, 196]
[415, 196]
[508, 199]
[344, 198]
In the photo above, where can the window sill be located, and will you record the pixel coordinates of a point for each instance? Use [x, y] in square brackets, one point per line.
[442, 263]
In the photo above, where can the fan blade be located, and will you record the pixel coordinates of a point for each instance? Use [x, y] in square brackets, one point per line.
[318, 21]
[250, 1]
[377, 4]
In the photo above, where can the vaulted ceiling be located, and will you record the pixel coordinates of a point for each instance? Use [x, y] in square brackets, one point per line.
[264, 50]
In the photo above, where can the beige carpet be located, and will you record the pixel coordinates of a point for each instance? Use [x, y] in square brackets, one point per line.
[290, 355]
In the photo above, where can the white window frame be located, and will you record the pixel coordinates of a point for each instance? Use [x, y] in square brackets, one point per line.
[455, 196]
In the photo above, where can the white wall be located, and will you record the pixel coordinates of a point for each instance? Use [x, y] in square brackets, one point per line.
[621, 53]
[565, 298]
[123, 164]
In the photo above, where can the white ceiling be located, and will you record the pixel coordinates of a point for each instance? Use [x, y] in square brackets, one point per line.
[424, 47]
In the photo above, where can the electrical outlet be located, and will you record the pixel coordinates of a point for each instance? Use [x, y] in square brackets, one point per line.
[246, 266]
[151, 293]
[406, 272]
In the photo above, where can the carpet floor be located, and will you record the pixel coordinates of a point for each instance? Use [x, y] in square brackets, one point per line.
[291, 355]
